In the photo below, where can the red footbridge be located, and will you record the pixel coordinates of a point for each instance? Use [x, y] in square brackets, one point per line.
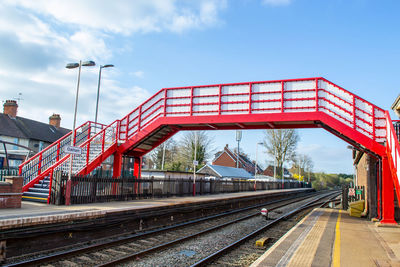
[278, 104]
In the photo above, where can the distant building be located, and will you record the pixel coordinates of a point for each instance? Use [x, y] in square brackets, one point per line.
[223, 172]
[396, 106]
[160, 174]
[269, 171]
[228, 158]
[32, 134]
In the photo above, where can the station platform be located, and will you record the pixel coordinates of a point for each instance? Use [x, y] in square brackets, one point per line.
[32, 214]
[331, 237]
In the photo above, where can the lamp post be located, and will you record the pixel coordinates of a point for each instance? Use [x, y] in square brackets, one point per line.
[73, 66]
[195, 163]
[98, 90]
[238, 138]
[256, 167]
[274, 162]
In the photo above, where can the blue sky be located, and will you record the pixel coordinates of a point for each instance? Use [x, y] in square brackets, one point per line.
[155, 44]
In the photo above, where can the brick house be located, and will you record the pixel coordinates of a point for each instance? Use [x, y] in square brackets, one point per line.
[33, 136]
[228, 158]
[269, 171]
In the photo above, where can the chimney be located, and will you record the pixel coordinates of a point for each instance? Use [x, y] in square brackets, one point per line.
[55, 120]
[10, 108]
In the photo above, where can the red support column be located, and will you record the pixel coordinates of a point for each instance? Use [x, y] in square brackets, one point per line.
[137, 171]
[117, 164]
[387, 194]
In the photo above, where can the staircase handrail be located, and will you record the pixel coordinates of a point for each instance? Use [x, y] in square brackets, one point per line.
[63, 159]
[56, 143]
[87, 142]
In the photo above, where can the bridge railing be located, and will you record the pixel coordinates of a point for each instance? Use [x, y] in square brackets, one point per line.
[280, 96]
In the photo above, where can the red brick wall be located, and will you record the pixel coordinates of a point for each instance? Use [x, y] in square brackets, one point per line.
[226, 160]
[11, 192]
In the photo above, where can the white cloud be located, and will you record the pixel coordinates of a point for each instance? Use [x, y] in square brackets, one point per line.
[37, 39]
[277, 2]
[139, 74]
[127, 17]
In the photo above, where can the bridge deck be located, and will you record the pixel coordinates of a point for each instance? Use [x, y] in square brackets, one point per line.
[328, 237]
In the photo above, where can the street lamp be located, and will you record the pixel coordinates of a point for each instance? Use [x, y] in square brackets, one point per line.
[256, 168]
[98, 90]
[73, 66]
[195, 163]
[238, 138]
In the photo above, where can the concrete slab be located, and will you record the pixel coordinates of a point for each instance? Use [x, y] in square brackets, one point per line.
[328, 237]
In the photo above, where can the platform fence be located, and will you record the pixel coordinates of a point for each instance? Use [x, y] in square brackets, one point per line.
[5, 172]
[352, 194]
[92, 189]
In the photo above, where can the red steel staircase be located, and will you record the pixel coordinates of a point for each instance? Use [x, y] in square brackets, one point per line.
[296, 103]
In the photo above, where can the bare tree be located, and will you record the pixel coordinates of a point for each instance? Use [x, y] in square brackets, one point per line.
[164, 155]
[302, 164]
[281, 144]
[187, 147]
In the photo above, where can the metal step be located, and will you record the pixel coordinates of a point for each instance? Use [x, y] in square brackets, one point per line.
[39, 190]
[35, 194]
[35, 199]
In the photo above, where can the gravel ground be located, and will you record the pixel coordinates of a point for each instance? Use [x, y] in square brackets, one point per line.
[194, 250]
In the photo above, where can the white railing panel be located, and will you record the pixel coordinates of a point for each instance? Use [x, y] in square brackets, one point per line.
[266, 87]
[153, 100]
[178, 101]
[306, 104]
[233, 98]
[185, 109]
[235, 89]
[267, 105]
[335, 91]
[203, 108]
[300, 85]
[179, 92]
[201, 91]
[346, 118]
[202, 100]
[360, 104]
[300, 94]
[234, 106]
[267, 96]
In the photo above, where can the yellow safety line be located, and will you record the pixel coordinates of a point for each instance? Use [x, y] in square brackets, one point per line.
[336, 250]
[41, 198]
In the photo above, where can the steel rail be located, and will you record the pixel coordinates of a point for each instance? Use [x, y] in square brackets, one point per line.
[73, 252]
[188, 237]
[222, 251]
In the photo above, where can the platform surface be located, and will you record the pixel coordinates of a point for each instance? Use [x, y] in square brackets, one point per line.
[330, 237]
[32, 213]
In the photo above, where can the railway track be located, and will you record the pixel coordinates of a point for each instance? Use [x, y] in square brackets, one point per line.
[134, 247]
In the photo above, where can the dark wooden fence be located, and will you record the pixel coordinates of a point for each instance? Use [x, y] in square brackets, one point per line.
[91, 189]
